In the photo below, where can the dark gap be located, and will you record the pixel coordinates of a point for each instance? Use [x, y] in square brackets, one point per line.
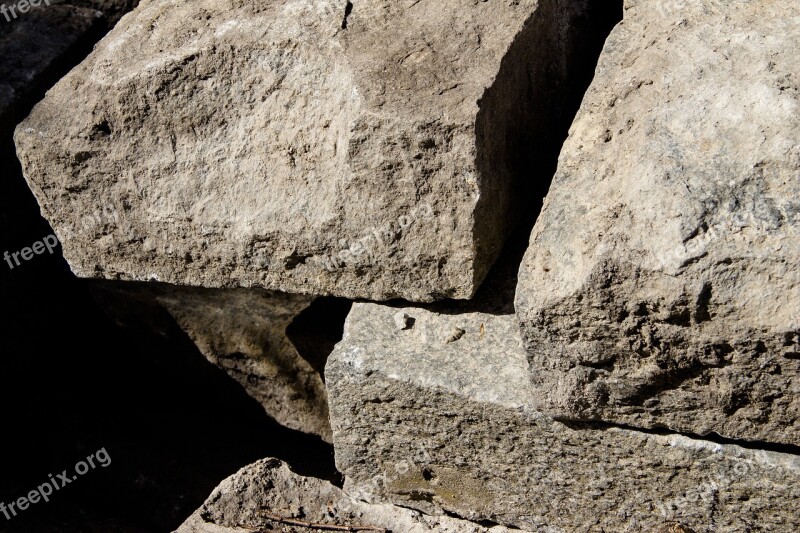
[709, 437]
[529, 135]
[347, 10]
[142, 392]
[317, 329]
[703, 302]
[534, 129]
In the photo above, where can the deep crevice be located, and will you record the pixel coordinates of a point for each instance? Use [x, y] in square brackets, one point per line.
[716, 438]
[703, 301]
[348, 9]
[317, 329]
[524, 121]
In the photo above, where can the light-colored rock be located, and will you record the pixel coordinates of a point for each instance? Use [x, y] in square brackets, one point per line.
[290, 146]
[270, 486]
[423, 423]
[33, 44]
[242, 331]
[661, 287]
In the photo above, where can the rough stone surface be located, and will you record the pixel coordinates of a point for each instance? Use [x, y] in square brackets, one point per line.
[435, 425]
[242, 331]
[32, 45]
[268, 485]
[302, 146]
[661, 286]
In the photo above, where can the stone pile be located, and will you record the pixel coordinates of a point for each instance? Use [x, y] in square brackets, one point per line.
[223, 164]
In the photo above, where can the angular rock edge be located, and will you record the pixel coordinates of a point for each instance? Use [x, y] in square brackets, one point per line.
[661, 288]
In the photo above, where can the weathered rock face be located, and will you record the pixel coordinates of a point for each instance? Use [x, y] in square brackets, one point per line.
[268, 486]
[661, 286]
[310, 147]
[33, 43]
[241, 331]
[435, 411]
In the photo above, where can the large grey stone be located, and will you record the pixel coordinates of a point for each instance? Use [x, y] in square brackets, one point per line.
[269, 486]
[435, 410]
[243, 332]
[661, 287]
[369, 151]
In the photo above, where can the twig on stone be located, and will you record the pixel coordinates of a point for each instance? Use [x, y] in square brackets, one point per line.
[312, 525]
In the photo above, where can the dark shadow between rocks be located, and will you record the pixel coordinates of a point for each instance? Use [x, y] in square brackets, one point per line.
[318, 328]
[523, 123]
[173, 424]
[524, 120]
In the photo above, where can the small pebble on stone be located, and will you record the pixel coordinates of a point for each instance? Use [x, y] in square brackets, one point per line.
[402, 320]
[455, 335]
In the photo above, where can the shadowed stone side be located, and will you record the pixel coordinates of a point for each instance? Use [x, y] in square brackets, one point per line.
[241, 331]
[269, 486]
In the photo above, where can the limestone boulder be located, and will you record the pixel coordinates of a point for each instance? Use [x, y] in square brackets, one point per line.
[435, 410]
[268, 496]
[371, 149]
[661, 288]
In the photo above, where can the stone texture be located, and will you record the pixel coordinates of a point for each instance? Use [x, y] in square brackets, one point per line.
[661, 286]
[452, 426]
[268, 485]
[302, 146]
[33, 46]
[242, 331]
